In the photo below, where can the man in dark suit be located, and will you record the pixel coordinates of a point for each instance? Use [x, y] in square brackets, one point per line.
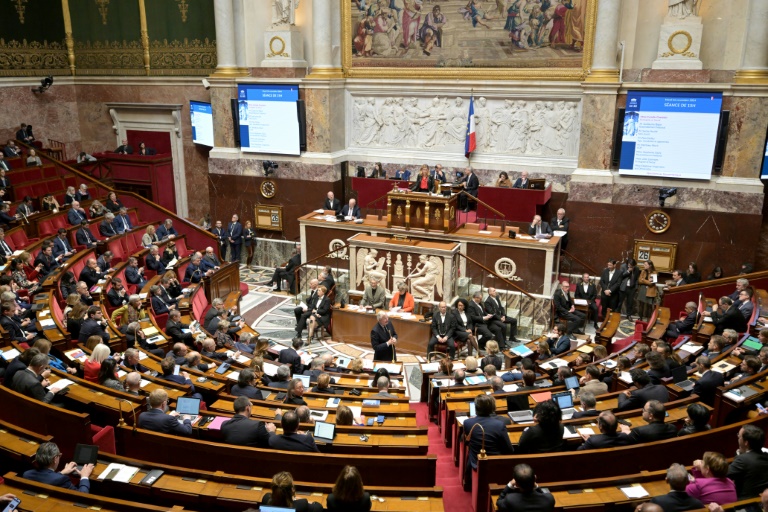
[326, 279]
[290, 440]
[91, 273]
[331, 203]
[217, 306]
[749, 470]
[85, 237]
[122, 222]
[242, 430]
[175, 329]
[76, 215]
[158, 421]
[106, 227]
[153, 260]
[522, 181]
[124, 148]
[11, 150]
[443, 326]
[496, 437]
[471, 185]
[479, 318]
[11, 326]
[159, 306]
[608, 436]
[585, 290]
[645, 391]
[46, 259]
[383, 338]
[522, 493]
[47, 459]
[566, 310]
[4, 182]
[684, 326]
[210, 261]
[588, 406]
[93, 326]
[61, 246]
[135, 274]
[85, 295]
[560, 223]
[727, 316]
[290, 356]
[286, 272]
[539, 228]
[351, 210]
[221, 235]
[610, 281]
[5, 250]
[677, 500]
[654, 413]
[302, 313]
[166, 230]
[195, 272]
[117, 295]
[22, 134]
[628, 287]
[500, 319]
[234, 238]
[32, 381]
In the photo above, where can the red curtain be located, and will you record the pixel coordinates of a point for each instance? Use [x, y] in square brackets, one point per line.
[160, 141]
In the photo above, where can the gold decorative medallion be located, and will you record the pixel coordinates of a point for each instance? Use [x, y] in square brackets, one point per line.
[399, 212]
[19, 4]
[418, 213]
[658, 221]
[183, 9]
[103, 10]
[268, 189]
[677, 51]
[437, 214]
[280, 51]
[452, 212]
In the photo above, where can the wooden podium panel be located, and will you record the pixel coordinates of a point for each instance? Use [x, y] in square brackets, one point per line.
[518, 205]
[222, 282]
[418, 210]
[355, 327]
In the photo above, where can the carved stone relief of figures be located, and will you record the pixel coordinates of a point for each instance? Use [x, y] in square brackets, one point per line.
[536, 127]
[427, 276]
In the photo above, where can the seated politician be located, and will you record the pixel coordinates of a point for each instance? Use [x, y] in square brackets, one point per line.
[494, 432]
[283, 496]
[246, 385]
[351, 210]
[242, 430]
[443, 328]
[546, 434]
[157, 420]
[291, 439]
[609, 435]
[47, 459]
[374, 296]
[523, 494]
[656, 429]
[522, 181]
[402, 299]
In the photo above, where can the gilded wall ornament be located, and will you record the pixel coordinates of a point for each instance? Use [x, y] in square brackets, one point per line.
[183, 9]
[103, 9]
[19, 5]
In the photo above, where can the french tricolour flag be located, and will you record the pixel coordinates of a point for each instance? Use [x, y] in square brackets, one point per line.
[471, 143]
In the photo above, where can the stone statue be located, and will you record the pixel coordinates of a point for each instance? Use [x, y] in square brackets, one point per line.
[683, 8]
[284, 12]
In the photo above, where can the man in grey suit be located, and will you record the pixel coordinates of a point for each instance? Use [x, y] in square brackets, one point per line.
[28, 381]
[374, 296]
[635, 399]
[383, 386]
[539, 228]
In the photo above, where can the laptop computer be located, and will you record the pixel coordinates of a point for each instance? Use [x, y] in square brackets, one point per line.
[85, 454]
[472, 410]
[324, 432]
[304, 380]
[475, 379]
[188, 406]
[266, 508]
[680, 377]
[565, 401]
[572, 382]
[521, 416]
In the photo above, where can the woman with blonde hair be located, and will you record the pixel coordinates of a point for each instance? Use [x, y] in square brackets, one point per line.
[348, 493]
[283, 493]
[92, 365]
[492, 355]
[542, 348]
[150, 237]
[402, 299]
[356, 366]
[471, 365]
[97, 209]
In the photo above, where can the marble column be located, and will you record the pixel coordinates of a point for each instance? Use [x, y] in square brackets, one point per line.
[754, 60]
[239, 36]
[322, 28]
[223, 12]
[604, 68]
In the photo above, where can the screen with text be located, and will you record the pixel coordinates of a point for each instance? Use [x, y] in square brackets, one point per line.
[269, 119]
[201, 115]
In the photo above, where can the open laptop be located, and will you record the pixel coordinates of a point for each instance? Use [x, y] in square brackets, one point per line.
[572, 382]
[304, 380]
[85, 454]
[475, 379]
[521, 416]
[680, 377]
[188, 406]
[267, 508]
[565, 401]
[324, 432]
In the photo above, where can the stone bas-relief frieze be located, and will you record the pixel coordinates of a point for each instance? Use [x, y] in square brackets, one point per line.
[503, 126]
[425, 276]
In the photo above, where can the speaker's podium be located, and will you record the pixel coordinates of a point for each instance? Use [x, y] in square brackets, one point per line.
[420, 210]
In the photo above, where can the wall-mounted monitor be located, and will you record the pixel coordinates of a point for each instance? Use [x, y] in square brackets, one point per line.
[269, 119]
[201, 115]
[764, 171]
[670, 134]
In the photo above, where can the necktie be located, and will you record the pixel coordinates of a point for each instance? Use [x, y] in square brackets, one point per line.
[6, 249]
[231, 229]
[87, 236]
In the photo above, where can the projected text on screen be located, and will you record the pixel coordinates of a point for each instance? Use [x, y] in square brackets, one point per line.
[268, 119]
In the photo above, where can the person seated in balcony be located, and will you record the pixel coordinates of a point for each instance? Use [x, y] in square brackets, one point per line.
[107, 227]
[113, 204]
[46, 259]
[145, 151]
[166, 230]
[503, 181]
[170, 253]
[91, 274]
[123, 221]
[124, 148]
[195, 272]
[61, 246]
[85, 157]
[210, 260]
[25, 209]
[76, 214]
[33, 160]
[96, 209]
[82, 193]
[22, 134]
[11, 150]
[49, 203]
[134, 274]
[153, 261]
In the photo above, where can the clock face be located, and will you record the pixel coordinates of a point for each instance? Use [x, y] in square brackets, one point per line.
[268, 189]
[658, 221]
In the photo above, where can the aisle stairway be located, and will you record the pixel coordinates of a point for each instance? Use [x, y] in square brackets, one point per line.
[447, 477]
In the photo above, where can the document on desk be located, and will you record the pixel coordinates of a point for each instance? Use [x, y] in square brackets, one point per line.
[558, 232]
[233, 375]
[8, 355]
[270, 369]
[461, 419]
[634, 491]
[391, 368]
[459, 366]
[722, 367]
[60, 384]
[580, 302]
[119, 473]
[357, 411]
[692, 348]
[48, 322]
[625, 378]
[217, 422]
[430, 367]
[554, 363]
[510, 388]
[150, 331]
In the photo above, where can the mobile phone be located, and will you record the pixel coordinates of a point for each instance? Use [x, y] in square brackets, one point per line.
[370, 422]
[15, 502]
[760, 407]
[176, 369]
[380, 419]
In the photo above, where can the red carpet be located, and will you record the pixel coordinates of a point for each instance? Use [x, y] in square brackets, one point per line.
[447, 476]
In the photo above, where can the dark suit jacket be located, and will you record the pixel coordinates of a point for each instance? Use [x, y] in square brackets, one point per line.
[174, 330]
[677, 501]
[355, 211]
[293, 443]
[417, 184]
[657, 431]
[514, 500]
[684, 326]
[14, 329]
[379, 338]
[27, 383]
[563, 344]
[585, 414]
[605, 441]
[729, 319]
[162, 232]
[443, 328]
[476, 312]
[494, 307]
[249, 391]
[496, 438]
[335, 205]
[520, 183]
[132, 276]
[91, 327]
[90, 277]
[749, 471]
[50, 477]
[122, 223]
[290, 356]
[560, 225]
[235, 232]
[159, 306]
[563, 303]
[473, 184]
[85, 237]
[545, 229]
[590, 295]
[612, 284]
[49, 263]
[333, 505]
[459, 325]
[245, 432]
[193, 273]
[107, 229]
[638, 397]
[535, 440]
[157, 420]
[115, 299]
[75, 217]
[706, 386]
[630, 277]
[294, 262]
[154, 263]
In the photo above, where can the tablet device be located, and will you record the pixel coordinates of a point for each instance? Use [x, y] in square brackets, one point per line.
[265, 508]
[324, 432]
[85, 454]
[222, 368]
[176, 369]
[304, 380]
[472, 411]
[571, 382]
[188, 406]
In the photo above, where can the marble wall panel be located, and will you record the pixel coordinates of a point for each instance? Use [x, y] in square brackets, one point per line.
[319, 126]
[289, 170]
[223, 127]
[746, 135]
[597, 131]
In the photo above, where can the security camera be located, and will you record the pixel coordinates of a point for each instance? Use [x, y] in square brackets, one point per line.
[45, 84]
[206, 83]
[666, 193]
[269, 167]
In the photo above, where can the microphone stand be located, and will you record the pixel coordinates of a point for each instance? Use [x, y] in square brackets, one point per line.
[394, 350]
[468, 436]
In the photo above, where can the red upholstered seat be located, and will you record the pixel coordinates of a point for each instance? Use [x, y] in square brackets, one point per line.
[104, 438]
[243, 289]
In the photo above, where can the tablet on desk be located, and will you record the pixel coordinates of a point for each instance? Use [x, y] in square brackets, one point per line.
[85, 454]
[188, 406]
[324, 432]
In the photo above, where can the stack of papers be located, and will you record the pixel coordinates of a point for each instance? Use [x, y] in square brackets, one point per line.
[10, 354]
[430, 367]
[554, 363]
[270, 369]
[233, 375]
[510, 387]
[459, 366]
[119, 473]
[60, 384]
[625, 377]
[692, 348]
[357, 411]
[150, 331]
[541, 397]
[609, 363]
[79, 355]
[332, 403]
[634, 491]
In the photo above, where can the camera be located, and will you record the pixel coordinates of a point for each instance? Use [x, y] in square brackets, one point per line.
[270, 167]
[666, 193]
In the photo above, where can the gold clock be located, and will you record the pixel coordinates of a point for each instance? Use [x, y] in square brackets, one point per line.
[268, 189]
[658, 221]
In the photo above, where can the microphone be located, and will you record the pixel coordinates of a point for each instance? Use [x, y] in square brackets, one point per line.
[468, 436]
[133, 410]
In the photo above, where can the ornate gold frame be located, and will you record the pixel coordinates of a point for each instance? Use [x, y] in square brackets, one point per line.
[468, 73]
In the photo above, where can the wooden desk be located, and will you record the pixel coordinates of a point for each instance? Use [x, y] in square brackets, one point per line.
[221, 283]
[516, 204]
[418, 210]
[355, 327]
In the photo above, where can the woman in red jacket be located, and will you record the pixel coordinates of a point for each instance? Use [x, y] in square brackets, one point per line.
[402, 299]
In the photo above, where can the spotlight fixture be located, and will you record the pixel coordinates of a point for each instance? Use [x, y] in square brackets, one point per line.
[270, 167]
[666, 193]
[45, 84]
[206, 84]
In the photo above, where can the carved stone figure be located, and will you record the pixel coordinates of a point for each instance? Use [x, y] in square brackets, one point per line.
[369, 268]
[284, 12]
[427, 275]
[683, 8]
